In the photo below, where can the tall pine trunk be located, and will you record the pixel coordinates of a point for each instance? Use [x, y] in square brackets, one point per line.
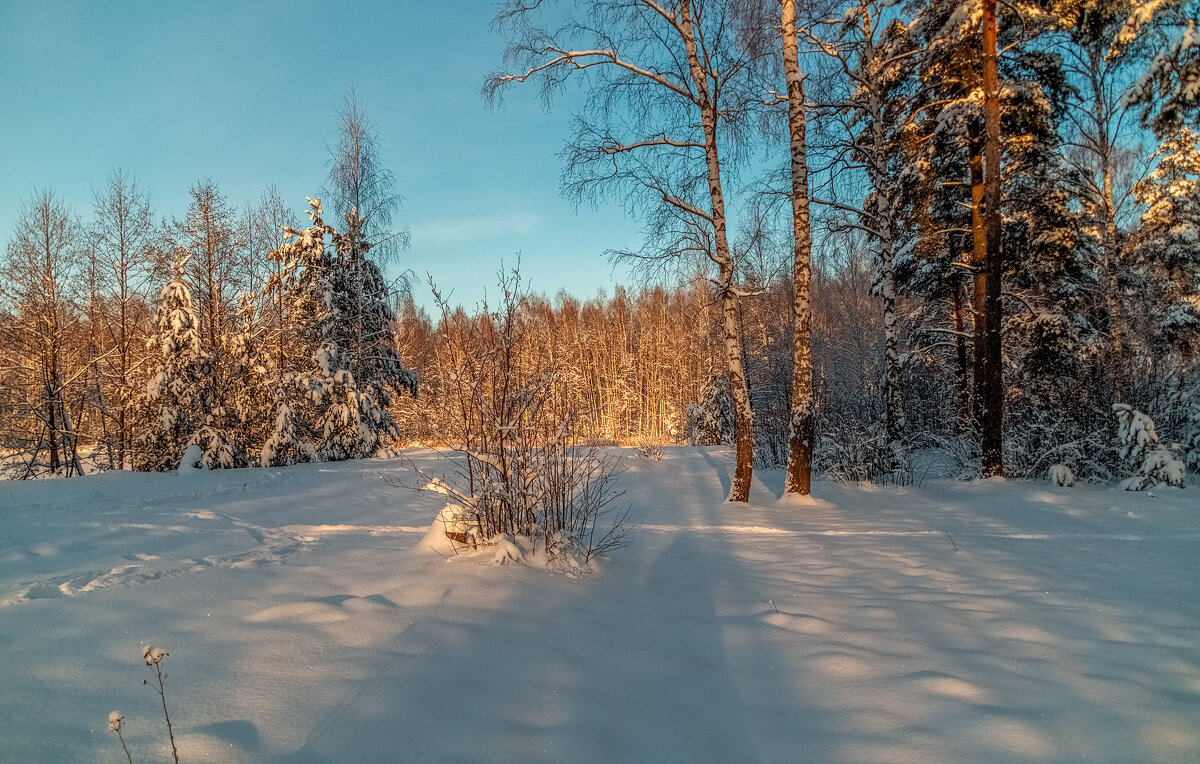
[993, 371]
[960, 348]
[802, 430]
[1110, 259]
[979, 277]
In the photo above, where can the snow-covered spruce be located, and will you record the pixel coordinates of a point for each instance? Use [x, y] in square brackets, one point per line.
[344, 325]
[1168, 244]
[250, 385]
[176, 401]
[711, 420]
[1139, 447]
[285, 445]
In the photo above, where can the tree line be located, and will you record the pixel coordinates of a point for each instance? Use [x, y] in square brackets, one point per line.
[874, 232]
[987, 153]
[225, 338]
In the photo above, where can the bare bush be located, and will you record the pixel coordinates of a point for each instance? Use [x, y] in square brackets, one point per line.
[649, 450]
[519, 475]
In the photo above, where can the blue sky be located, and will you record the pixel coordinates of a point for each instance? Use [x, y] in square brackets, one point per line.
[246, 92]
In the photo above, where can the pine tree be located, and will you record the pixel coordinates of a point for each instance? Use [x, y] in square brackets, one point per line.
[978, 85]
[1163, 34]
[1168, 245]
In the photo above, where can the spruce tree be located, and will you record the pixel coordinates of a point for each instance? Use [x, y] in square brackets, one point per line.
[249, 393]
[345, 327]
[304, 281]
[173, 403]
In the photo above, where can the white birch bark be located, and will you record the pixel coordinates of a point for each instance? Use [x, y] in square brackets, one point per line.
[739, 490]
[802, 429]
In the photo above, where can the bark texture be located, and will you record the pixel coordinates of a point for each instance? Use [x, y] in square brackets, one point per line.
[993, 371]
[802, 428]
[739, 489]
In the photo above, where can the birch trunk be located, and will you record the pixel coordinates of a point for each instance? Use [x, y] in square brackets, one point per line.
[739, 489]
[893, 401]
[802, 429]
[1111, 253]
[882, 189]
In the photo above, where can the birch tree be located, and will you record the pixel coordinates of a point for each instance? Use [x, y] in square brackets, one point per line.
[802, 427]
[360, 183]
[875, 56]
[36, 276]
[1103, 151]
[667, 98]
[271, 220]
[215, 269]
[119, 240]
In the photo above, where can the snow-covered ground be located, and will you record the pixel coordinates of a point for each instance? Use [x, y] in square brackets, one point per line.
[305, 624]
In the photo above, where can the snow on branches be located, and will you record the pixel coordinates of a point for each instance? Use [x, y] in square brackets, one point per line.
[1139, 446]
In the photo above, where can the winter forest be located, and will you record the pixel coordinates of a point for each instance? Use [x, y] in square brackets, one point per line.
[837, 207]
[907, 265]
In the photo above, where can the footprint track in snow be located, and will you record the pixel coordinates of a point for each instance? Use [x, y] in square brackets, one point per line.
[275, 545]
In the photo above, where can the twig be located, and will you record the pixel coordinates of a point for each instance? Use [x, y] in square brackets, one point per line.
[772, 604]
[115, 721]
[952, 541]
[924, 474]
[154, 659]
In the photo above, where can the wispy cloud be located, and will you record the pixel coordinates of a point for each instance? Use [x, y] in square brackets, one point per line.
[469, 229]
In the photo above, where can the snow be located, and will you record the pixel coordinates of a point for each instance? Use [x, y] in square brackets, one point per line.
[152, 655]
[987, 621]
[193, 459]
[1061, 475]
[508, 550]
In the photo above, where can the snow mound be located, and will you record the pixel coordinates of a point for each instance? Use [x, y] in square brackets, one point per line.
[1061, 475]
[508, 550]
[193, 459]
[451, 531]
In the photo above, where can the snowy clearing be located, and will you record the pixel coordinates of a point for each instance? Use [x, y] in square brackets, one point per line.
[953, 622]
